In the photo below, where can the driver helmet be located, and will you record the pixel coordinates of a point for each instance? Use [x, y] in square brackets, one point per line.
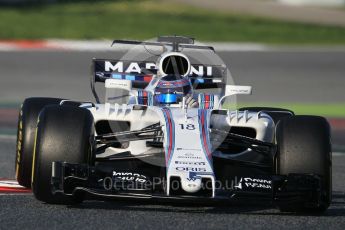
[170, 89]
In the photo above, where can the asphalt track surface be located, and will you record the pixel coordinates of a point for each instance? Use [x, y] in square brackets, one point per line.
[297, 76]
[24, 212]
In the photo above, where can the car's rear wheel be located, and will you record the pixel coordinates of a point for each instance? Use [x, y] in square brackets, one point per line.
[27, 121]
[304, 147]
[64, 133]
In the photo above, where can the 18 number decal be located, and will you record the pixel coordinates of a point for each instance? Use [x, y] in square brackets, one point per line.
[188, 126]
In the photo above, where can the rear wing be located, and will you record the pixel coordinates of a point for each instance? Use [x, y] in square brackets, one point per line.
[140, 73]
[175, 42]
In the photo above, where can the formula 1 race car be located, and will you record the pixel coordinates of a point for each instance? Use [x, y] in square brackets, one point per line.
[165, 133]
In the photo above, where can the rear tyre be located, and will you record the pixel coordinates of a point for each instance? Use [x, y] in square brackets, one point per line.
[27, 121]
[304, 147]
[64, 133]
[276, 113]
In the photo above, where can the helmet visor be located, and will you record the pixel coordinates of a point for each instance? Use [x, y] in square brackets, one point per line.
[167, 98]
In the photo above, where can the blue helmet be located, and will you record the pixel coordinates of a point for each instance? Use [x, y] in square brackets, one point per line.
[170, 89]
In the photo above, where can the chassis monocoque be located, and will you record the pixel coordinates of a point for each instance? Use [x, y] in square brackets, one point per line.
[68, 151]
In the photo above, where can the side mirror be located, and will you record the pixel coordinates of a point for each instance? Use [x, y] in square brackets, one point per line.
[237, 89]
[118, 84]
[231, 90]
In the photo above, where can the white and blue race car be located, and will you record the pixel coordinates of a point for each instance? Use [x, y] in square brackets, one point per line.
[162, 133]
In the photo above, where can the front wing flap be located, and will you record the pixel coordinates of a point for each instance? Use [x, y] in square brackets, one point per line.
[72, 179]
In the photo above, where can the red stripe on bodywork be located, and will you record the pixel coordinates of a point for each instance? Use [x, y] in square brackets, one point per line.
[147, 78]
[207, 101]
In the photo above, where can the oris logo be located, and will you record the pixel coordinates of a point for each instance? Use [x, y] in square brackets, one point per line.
[191, 169]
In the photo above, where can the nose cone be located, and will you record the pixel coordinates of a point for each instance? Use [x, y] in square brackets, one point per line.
[191, 185]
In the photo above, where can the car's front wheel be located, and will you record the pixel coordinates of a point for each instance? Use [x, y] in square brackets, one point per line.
[304, 147]
[64, 133]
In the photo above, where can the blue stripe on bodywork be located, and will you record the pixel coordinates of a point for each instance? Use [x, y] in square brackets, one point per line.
[170, 130]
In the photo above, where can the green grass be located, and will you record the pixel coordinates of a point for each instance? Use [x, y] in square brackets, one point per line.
[326, 110]
[148, 18]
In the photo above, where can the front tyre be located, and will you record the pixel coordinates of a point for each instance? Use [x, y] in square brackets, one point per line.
[304, 147]
[64, 133]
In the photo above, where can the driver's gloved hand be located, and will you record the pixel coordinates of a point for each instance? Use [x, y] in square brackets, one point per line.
[191, 102]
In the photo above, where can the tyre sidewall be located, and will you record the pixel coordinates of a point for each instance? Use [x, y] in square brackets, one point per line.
[27, 122]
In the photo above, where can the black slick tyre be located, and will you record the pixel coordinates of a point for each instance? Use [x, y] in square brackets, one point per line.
[66, 134]
[304, 147]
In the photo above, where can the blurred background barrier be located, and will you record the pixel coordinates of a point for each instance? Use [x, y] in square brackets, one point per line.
[292, 2]
[315, 2]
[302, 11]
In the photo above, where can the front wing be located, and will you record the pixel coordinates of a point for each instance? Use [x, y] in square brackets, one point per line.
[98, 182]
